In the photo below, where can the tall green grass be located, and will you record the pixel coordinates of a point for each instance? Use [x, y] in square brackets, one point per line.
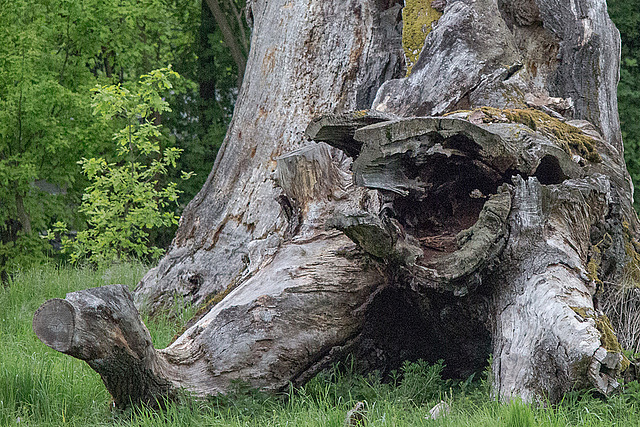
[41, 387]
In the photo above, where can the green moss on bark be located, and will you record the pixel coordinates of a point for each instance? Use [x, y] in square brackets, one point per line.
[595, 260]
[418, 18]
[603, 325]
[632, 249]
[570, 138]
[607, 334]
[608, 338]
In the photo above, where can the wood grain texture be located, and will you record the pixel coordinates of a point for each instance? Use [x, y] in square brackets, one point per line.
[487, 227]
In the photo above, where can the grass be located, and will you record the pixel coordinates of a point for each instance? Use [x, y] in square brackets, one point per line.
[40, 387]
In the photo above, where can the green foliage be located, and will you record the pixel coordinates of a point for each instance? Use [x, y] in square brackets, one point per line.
[421, 382]
[125, 198]
[626, 15]
[44, 124]
[51, 53]
[415, 384]
[519, 414]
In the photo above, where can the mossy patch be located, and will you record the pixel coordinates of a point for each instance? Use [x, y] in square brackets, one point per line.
[570, 138]
[215, 299]
[592, 270]
[418, 18]
[603, 324]
[607, 334]
[608, 338]
[595, 260]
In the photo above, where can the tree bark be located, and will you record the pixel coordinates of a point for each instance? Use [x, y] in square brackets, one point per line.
[23, 216]
[102, 326]
[480, 206]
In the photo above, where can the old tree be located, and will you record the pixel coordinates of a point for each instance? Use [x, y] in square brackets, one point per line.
[441, 180]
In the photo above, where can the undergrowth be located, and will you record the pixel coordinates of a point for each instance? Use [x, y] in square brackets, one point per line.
[40, 387]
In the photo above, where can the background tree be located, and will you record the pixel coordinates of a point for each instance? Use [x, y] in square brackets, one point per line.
[52, 54]
[45, 123]
[228, 15]
[201, 116]
[627, 18]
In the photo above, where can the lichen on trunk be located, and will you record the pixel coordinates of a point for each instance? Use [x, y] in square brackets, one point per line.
[419, 18]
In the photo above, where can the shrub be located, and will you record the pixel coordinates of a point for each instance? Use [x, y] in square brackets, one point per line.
[126, 198]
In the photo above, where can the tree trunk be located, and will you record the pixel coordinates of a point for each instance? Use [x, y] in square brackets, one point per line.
[233, 41]
[481, 206]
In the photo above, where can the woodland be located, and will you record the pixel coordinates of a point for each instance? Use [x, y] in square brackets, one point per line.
[290, 275]
[54, 54]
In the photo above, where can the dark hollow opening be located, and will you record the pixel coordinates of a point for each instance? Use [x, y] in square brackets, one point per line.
[454, 191]
[549, 171]
[442, 327]
[462, 143]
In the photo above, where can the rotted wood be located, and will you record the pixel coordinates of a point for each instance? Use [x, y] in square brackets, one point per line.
[541, 347]
[502, 211]
[102, 327]
[340, 128]
[466, 231]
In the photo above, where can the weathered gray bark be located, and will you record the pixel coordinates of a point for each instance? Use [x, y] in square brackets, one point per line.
[306, 59]
[102, 326]
[397, 237]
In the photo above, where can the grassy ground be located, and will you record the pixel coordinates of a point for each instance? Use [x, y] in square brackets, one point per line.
[40, 387]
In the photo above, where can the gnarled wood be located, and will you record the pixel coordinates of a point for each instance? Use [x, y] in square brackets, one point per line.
[527, 247]
[102, 327]
[489, 226]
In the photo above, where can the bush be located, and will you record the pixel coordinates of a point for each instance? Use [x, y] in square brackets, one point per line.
[126, 198]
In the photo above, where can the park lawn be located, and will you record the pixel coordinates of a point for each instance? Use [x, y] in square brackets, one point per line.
[41, 387]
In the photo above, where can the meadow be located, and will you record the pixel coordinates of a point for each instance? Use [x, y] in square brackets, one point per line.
[40, 387]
